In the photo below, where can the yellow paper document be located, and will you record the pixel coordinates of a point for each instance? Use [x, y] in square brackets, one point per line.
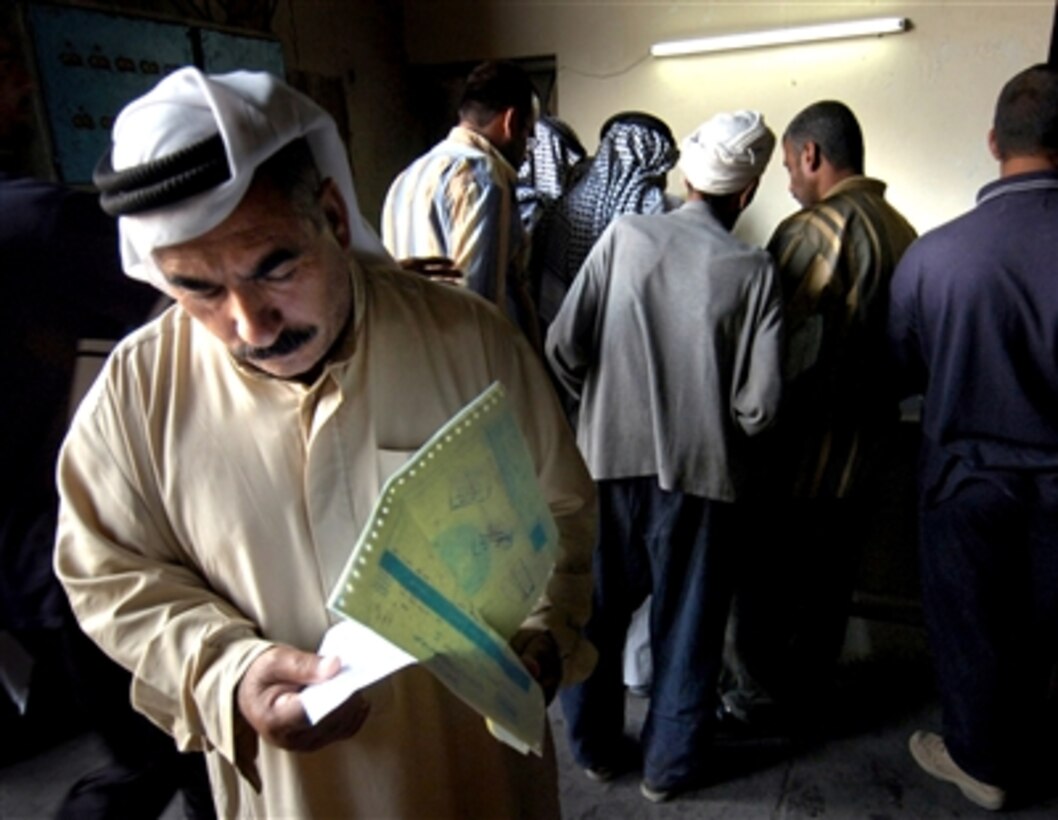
[456, 553]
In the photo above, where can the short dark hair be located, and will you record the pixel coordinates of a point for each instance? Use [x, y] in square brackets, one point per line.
[292, 172]
[833, 127]
[493, 87]
[1026, 118]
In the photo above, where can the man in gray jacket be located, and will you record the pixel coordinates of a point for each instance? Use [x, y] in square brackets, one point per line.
[670, 337]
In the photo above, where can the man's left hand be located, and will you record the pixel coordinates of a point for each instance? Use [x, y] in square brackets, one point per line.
[541, 657]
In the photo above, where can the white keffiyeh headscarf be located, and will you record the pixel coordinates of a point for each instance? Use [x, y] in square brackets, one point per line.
[254, 114]
[727, 152]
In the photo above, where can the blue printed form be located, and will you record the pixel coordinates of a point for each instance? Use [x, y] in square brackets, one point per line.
[455, 555]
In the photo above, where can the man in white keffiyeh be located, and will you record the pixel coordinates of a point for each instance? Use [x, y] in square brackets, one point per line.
[670, 336]
[218, 473]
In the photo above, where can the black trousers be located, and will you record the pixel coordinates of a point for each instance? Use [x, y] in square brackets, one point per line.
[796, 572]
[989, 557]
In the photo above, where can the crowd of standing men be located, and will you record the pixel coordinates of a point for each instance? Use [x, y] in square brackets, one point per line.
[733, 406]
[728, 404]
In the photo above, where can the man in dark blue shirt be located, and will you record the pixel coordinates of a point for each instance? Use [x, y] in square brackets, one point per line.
[974, 327]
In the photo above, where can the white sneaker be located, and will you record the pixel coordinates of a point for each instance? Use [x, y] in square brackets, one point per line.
[931, 754]
[654, 795]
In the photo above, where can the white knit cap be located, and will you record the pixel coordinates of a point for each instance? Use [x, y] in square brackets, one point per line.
[255, 114]
[727, 152]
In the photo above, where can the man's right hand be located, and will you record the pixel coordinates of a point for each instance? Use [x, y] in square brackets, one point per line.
[438, 268]
[267, 697]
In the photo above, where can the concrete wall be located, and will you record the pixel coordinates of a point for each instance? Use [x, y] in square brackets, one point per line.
[924, 98]
[360, 44]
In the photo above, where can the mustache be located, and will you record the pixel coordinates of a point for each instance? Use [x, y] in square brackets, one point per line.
[289, 340]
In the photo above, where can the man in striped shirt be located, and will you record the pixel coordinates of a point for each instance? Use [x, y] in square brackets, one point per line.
[458, 200]
[835, 259]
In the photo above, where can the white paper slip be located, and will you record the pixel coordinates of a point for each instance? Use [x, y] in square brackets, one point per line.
[366, 657]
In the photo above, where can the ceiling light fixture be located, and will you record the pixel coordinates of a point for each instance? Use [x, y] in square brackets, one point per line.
[782, 36]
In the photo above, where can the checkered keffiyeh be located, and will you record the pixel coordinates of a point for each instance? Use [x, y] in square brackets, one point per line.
[549, 170]
[627, 175]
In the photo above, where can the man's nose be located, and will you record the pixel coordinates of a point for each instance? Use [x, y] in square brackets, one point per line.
[256, 321]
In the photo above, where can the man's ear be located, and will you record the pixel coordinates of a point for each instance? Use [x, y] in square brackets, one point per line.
[811, 157]
[332, 203]
[746, 197]
[993, 145]
[509, 123]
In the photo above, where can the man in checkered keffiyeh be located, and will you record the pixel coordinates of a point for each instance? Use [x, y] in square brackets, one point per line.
[627, 175]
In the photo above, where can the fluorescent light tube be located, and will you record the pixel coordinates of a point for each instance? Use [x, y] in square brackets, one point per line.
[782, 36]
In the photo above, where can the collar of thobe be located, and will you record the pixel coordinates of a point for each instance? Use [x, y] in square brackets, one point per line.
[700, 208]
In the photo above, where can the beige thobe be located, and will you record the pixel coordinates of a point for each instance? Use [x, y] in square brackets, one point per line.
[207, 511]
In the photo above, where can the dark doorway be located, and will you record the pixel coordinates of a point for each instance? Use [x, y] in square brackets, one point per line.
[436, 90]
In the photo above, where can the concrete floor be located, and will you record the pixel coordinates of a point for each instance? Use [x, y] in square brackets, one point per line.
[860, 770]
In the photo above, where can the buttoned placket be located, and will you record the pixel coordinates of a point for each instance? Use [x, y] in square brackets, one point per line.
[341, 467]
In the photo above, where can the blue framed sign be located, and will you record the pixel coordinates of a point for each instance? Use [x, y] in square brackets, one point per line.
[92, 63]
